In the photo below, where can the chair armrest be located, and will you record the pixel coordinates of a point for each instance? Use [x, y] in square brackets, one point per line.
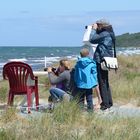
[32, 82]
[36, 80]
[5, 76]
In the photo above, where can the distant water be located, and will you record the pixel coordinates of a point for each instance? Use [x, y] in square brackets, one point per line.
[34, 56]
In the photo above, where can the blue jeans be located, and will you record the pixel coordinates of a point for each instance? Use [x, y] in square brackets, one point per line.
[56, 93]
[82, 93]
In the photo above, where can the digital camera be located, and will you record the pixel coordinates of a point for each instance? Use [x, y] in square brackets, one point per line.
[54, 70]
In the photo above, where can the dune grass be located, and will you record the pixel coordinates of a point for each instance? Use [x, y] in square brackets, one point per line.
[68, 122]
[125, 83]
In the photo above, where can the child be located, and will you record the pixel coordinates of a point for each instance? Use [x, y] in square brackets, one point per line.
[92, 49]
[85, 77]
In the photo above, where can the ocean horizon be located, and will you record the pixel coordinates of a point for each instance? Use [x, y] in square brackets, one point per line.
[35, 56]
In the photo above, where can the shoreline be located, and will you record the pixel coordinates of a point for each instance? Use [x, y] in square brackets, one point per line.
[38, 73]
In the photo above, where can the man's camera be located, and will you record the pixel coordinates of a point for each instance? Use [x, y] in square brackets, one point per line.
[54, 70]
[45, 69]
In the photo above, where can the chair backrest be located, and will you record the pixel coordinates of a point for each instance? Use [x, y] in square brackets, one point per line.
[17, 73]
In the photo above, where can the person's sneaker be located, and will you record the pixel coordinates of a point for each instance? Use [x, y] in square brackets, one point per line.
[103, 108]
[23, 109]
[106, 111]
[50, 106]
[111, 109]
[66, 97]
[58, 100]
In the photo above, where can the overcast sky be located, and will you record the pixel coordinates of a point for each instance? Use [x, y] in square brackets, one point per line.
[62, 22]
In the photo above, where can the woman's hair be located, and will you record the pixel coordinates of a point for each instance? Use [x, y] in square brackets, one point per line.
[104, 25]
[64, 62]
[84, 52]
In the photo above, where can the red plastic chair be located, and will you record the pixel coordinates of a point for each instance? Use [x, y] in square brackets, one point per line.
[19, 74]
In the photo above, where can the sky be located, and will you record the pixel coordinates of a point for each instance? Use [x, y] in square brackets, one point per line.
[62, 22]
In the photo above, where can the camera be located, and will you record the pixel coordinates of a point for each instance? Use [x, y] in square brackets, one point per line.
[54, 70]
[45, 69]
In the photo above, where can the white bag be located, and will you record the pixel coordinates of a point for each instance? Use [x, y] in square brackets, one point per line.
[109, 63]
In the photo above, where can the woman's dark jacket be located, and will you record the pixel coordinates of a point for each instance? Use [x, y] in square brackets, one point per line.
[105, 40]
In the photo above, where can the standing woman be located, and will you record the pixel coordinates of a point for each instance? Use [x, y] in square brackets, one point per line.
[103, 35]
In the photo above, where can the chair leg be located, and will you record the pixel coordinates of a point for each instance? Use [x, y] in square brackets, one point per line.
[10, 98]
[29, 99]
[36, 99]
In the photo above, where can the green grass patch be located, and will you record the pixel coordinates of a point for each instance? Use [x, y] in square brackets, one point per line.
[131, 75]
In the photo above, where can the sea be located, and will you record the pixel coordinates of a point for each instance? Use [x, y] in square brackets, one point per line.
[36, 56]
[40, 57]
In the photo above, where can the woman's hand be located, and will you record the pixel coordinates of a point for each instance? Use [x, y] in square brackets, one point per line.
[49, 69]
[94, 26]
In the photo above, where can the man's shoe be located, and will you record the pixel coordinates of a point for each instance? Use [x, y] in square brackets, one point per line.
[66, 97]
[103, 108]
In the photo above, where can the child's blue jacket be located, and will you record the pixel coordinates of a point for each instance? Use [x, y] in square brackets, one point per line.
[85, 75]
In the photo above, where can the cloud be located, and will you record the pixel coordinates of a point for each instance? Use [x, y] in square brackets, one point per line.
[24, 12]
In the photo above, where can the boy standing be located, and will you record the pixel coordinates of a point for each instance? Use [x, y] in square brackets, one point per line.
[85, 77]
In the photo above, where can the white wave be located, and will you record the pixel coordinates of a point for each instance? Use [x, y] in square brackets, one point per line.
[52, 59]
[17, 60]
[2, 64]
[48, 59]
[35, 64]
[57, 50]
[72, 57]
[38, 60]
[129, 51]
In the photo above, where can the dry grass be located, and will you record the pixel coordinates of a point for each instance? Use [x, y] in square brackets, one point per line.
[125, 83]
[67, 122]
